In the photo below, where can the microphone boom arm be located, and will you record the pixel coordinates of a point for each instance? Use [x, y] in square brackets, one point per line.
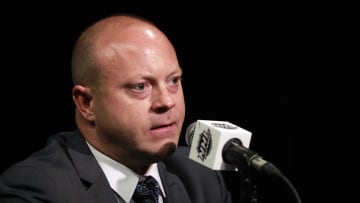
[235, 153]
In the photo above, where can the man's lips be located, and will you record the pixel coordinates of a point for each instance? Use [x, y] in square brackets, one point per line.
[162, 126]
[166, 130]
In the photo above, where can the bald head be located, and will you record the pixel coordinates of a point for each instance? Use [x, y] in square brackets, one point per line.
[105, 39]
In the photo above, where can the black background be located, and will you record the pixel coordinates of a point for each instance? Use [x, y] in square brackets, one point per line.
[273, 68]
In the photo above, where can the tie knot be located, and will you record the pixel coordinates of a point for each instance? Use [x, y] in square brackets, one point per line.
[147, 190]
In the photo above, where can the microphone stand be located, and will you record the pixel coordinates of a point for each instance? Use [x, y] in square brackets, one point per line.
[249, 192]
[245, 160]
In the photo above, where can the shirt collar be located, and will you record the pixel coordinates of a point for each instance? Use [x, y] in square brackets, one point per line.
[122, 179]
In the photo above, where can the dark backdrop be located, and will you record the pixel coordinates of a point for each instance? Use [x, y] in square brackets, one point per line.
[273, 68]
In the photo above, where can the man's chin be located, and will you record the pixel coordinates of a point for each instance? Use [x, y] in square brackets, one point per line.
[165, 151]
[168, 149]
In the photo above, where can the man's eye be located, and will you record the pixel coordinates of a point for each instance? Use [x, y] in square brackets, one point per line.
[140, 86]
[176, 80]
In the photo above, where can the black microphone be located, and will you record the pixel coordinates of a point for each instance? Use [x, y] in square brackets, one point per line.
[221, 145]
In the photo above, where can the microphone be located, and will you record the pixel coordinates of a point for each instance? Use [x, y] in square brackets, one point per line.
[221, 145]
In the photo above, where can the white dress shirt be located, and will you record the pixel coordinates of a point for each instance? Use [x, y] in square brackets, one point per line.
[122, 179]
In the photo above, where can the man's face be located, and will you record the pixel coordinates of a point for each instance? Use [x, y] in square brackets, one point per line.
[139, 104]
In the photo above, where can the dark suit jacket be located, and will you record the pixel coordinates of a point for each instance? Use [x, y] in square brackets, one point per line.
[65, 171]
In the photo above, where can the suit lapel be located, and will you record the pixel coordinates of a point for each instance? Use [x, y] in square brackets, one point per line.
[174, 189]
[94, 180]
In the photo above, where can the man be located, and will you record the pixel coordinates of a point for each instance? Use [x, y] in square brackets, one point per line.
[129, 113]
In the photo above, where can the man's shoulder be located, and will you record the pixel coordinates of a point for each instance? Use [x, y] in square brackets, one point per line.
[181, 152]
[179, 169]
[45, 157]
[50, 164]
[180, 163]
[179, 156]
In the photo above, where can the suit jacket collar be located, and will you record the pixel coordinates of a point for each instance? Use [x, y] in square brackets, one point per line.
[96, 184]
[174, 189]
[89, 170]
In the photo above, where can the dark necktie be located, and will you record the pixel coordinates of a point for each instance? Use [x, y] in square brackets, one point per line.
[147, 190]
